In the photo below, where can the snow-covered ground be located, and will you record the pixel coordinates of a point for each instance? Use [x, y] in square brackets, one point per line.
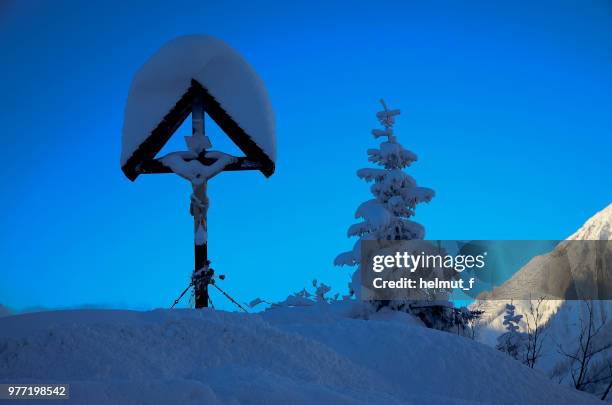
[318, 354]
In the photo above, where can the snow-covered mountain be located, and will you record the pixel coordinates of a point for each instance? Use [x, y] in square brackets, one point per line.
[317, 354]
[540, 270]
[571, 267]
[561, 317]
[598, 227]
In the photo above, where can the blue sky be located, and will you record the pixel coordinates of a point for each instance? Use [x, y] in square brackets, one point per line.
[509, 107]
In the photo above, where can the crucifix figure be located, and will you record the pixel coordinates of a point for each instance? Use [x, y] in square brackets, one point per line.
[188, 164]
[197, 75]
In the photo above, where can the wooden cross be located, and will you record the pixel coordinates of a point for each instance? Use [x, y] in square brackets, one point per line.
[211, 163]
[197, 75]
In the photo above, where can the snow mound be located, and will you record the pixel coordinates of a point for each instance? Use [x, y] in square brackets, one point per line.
[167, 76]
[303, 355]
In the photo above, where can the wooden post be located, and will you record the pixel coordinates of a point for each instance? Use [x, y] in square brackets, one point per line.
[199, 208]
[201, 276]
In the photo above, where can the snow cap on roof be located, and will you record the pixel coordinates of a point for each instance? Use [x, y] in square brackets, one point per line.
[168, 76]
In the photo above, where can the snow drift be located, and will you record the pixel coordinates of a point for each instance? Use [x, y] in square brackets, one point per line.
[303, 355]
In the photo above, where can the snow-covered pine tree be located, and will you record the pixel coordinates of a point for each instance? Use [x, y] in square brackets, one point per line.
[396, 195]
[510, 319]
[512, 342]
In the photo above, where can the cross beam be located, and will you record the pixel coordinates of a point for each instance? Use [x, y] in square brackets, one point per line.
[155, 166]
[146, 152]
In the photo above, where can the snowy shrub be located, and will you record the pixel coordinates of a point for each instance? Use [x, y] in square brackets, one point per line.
[320, 291]
[514, 344]
[587, 361]
[299, 299]
[445, 317]
[302, 298]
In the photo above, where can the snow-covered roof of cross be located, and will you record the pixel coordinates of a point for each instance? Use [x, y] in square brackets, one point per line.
[162, 89]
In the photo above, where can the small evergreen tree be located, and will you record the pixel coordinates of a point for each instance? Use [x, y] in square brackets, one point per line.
[396, 195]
[510, 319]
[512, 342]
